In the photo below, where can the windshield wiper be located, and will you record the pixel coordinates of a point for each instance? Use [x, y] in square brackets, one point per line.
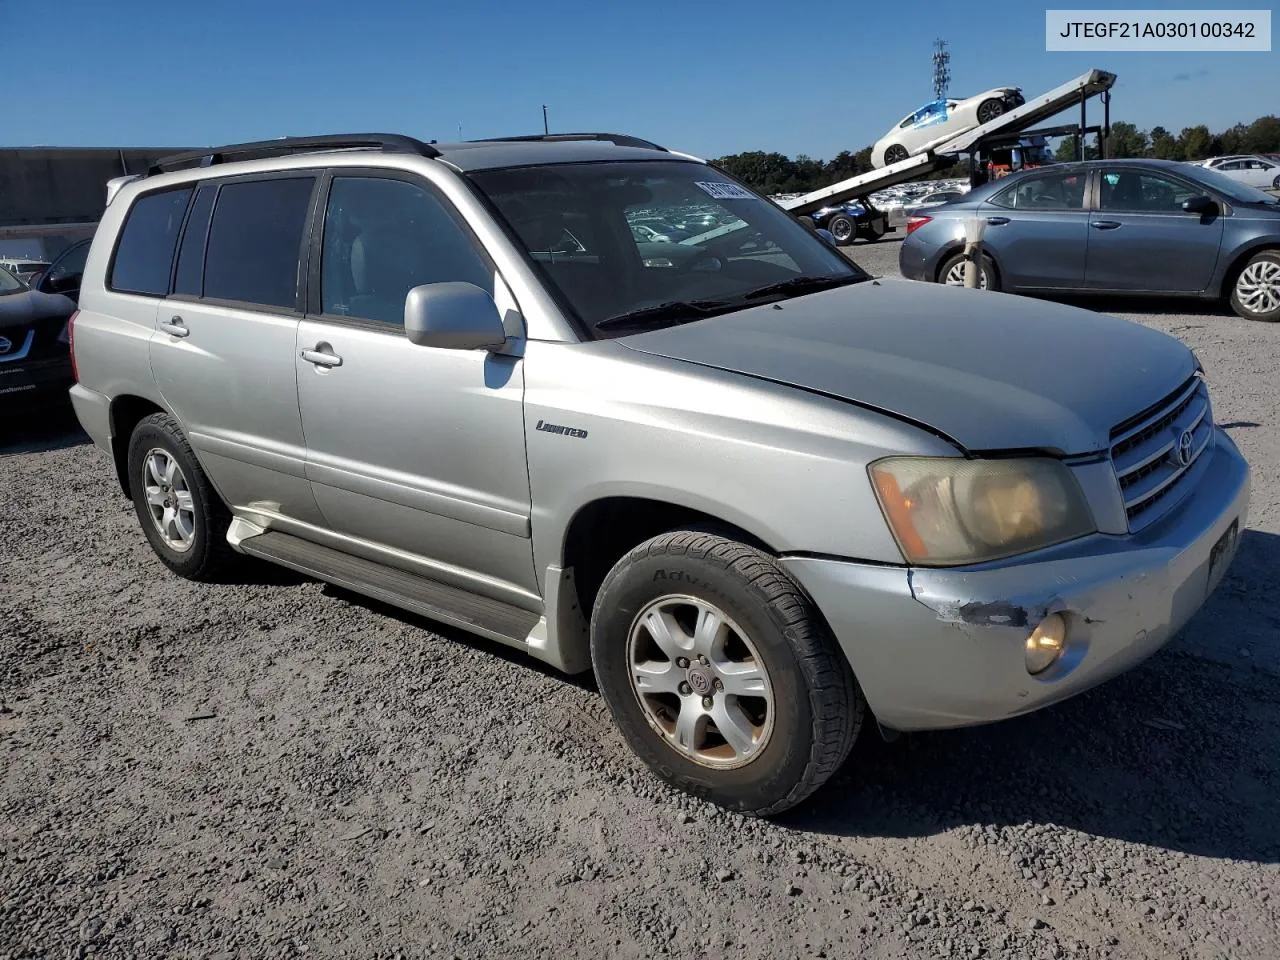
[673, 311]
[798, 285]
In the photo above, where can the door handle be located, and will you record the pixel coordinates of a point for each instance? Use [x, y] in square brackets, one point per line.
[175, 327]
[322, 356]
[997, 221]
[1105, 224]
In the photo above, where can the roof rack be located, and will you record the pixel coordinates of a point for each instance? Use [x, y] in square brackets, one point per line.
[385, 142]
[618, 139]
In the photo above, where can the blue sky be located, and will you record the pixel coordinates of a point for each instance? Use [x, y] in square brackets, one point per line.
[709, 78]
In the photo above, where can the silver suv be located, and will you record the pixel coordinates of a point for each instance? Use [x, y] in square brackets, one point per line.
[764, 496]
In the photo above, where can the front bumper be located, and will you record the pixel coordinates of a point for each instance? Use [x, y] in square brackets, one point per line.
[935, 648]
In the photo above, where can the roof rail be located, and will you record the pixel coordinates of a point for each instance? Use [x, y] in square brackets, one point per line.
[386, 142]
[618, 139]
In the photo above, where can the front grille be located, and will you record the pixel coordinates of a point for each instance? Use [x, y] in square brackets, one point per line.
[1153, 451]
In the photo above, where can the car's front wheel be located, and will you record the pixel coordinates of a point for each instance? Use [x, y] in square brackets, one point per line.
[721, 674]
[1256, 293]
[952, 272]
[842, 228]
[181, 514]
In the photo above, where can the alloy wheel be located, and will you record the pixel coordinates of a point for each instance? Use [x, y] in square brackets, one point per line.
[700, 681]
[169, 500]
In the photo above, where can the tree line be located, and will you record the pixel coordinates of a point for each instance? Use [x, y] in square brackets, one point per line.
[771, 173]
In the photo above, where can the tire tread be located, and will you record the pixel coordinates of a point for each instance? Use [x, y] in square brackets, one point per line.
[835, 702]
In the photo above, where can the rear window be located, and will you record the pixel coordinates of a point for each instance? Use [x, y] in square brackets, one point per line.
[255, 241]
[144, 255]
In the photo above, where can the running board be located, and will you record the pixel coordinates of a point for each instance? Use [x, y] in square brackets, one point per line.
[430, 598]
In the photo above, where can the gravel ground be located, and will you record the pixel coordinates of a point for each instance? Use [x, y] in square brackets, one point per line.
[279, 768]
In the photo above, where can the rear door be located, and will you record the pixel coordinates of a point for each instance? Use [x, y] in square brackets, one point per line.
[1037, 231]
[223, 349]
[1141, 240]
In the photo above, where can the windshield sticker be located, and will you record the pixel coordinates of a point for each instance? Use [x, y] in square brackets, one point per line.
[721, 190]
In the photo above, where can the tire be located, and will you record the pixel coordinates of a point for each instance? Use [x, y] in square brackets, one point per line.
[842, 228]
[803, 724]
[1275, 184]
[196, 546]
[895, 153]
[990, 109]
[990, 279]
[1255, 292]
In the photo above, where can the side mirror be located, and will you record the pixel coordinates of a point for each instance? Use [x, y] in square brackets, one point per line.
[826, 235]
[1201, 206]
[452, 316]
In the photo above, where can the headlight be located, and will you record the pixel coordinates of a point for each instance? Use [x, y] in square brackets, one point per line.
[947, 511]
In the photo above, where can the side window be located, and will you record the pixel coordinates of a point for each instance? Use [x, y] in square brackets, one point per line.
[144, 253]
[255, 241]
[1231, 165]
[382, 238]
[1062, 191]
[1136, 192]
[191, 253]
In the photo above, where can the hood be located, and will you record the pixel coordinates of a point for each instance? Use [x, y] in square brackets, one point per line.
[991, 371]
[29, 306]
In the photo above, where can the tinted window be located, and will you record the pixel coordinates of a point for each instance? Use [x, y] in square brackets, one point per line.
[1061, 191]
[191, 254]
[1142, 192]
[255, 240]
[144, 257]
[384, 237]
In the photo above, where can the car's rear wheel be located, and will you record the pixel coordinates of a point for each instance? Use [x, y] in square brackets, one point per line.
[1275, 184]
[990, 109]
[1256, 293]
[952, 273]
[721, 674]
[894, 153]
[842, 228]
[181, 514]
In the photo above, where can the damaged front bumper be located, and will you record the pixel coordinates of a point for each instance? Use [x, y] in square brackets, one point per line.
[935, 648]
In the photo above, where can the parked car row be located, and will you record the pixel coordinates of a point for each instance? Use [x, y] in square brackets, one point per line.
[1115, 227]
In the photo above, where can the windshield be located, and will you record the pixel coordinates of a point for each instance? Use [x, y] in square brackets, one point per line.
[1232, 189]
[9, 283]
[615, 238]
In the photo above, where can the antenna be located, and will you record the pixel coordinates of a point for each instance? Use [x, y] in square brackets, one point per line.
[941, 69]
[545, 128]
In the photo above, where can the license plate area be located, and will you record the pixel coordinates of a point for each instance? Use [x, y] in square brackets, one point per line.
[1221, 554]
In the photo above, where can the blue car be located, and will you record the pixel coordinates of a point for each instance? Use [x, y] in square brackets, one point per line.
[851, 219]
[1143, 227]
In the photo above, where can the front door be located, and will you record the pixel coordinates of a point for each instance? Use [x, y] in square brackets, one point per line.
[223, 350]
[1140, 239]
[417, 449]
[1037, 231]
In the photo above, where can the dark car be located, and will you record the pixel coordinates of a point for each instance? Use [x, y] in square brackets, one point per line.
[1143, 227]
[35, 355]
[845, 221]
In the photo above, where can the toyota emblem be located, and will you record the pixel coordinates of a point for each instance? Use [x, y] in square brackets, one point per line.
[5, 344]
[1186, 448]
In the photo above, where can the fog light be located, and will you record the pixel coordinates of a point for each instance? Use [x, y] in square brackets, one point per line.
[1046, 643]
